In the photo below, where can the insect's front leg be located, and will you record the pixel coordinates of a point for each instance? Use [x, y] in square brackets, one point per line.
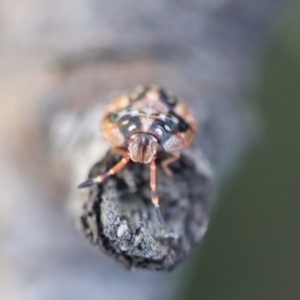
[119, 150]
[154, 196]
[165, 164]
[116, 168]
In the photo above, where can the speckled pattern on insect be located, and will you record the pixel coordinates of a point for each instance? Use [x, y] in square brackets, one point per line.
[143, 124]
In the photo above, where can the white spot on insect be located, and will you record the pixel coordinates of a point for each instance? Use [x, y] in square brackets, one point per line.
[168, 128]
[132, 127]
[134, 113]
[125, 122]
[158, 131]
[162, 117]
[154, 139]
[175, 120]
[152, 95]
[149, 111]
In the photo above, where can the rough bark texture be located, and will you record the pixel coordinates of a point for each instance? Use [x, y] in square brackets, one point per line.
[119, 216]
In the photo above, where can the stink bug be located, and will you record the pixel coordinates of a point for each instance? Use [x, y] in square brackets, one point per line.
[142, 125]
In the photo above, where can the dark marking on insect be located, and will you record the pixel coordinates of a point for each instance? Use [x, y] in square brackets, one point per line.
[168, 100]
[137, 94]
[163, 129]
[182, 124]
[141, 126]
[128, 124]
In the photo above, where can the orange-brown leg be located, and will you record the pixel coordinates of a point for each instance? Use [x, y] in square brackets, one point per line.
[154, 196]
[165, 164]
[102, 177]
[120, 151]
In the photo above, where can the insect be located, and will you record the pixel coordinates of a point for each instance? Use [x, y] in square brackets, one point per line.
[142, 125]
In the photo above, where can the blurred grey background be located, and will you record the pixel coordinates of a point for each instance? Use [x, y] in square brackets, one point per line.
[252, 247]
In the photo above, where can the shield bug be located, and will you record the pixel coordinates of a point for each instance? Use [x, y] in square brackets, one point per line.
[143, 124]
